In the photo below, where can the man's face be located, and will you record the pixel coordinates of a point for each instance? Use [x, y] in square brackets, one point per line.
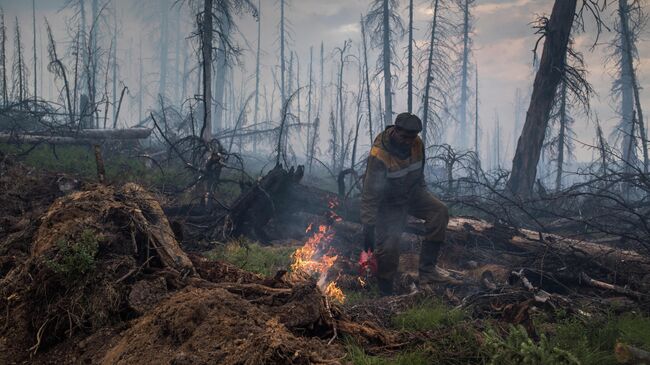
[404, 137]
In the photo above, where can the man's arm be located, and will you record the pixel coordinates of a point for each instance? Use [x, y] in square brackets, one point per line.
[373, 188]
[374, 183]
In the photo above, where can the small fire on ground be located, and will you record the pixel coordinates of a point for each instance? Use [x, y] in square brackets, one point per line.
[316, 257]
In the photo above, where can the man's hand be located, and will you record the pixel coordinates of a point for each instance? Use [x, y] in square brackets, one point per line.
[368, 237]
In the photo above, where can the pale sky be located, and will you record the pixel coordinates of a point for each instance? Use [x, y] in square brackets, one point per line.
[502, 44]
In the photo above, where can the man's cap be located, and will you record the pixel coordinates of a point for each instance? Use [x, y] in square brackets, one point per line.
[409, 122]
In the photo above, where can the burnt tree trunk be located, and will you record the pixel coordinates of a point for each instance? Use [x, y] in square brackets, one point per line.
[549, 75]
[206, 47]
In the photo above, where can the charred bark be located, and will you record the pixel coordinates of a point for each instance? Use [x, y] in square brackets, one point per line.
[549, 76]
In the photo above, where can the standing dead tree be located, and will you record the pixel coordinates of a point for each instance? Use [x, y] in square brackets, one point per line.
[217, 18]
[465, 6]
[409, 47]
[19, 68]
[206, 51]
[257, 71]
[440, 52]
[386, 29]
[35, 58]
[282, 55]
[3, 58]
[340, 104]
[309, 98]
[556, 31]
[58, 69]
[630, 22]
[366, 77]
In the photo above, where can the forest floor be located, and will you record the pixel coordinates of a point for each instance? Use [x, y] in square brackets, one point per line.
[93, 273]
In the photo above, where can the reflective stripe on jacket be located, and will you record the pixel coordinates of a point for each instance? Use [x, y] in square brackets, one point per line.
[389, 178]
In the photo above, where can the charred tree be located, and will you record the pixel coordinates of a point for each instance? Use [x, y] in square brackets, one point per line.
[602, 149]
[164, 47]
[476, 129]
[58, 69]
[386, 28]
[140, 83]
[283, 94]
[309, 98]
[438, 79]
[206, 51]
[340, 103]
[114, 65]
[551, 67]
[3, 58]
[429, 79]
[75, 82]
[314, 141]
[366, 77]
[221, 68]
[496, 142]
[93, 60]
[464, 71]
[321, 96]
[257, 70]
[410, 60]
[298, 88]
[35, 58]
[19, 69]
[333, 142]
[631, 20]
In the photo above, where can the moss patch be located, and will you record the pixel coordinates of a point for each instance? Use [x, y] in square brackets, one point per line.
[251, 256]
[429, 314]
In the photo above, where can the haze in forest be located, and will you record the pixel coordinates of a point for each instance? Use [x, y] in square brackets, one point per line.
[502, 40]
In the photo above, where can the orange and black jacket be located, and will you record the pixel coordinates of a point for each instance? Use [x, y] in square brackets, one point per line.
[390, 179]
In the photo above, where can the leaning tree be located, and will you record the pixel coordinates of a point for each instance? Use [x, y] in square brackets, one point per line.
[556, 32]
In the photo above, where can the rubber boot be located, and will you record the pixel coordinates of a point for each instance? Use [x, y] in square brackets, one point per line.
[430, 274]
[428, 259]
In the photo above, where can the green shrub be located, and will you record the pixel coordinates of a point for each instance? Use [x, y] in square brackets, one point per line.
[592, 341]
[265, 260]
[519, 349]
[75, 258]
[428, 315]
[634, 329]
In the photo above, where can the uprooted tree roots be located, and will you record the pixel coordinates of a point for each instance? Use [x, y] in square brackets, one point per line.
[107, 255]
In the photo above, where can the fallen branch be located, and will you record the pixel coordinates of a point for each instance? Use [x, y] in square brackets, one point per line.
[611, 287]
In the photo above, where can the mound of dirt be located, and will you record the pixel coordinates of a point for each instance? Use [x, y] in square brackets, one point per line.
[200, 326]
[89, 249]
[107, 282]
[131, 215]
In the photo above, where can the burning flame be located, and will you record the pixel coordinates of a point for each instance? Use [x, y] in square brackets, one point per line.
[316, 257]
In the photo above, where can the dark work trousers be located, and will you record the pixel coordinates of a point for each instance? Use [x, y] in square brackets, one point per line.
[391, 219]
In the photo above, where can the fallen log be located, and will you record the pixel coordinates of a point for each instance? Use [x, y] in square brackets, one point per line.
[84, 136]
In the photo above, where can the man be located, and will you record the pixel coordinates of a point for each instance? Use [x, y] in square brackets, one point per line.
[394, 187]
